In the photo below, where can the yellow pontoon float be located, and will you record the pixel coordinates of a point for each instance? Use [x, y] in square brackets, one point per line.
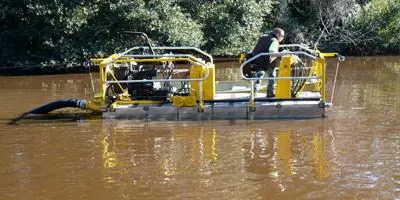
[178, 83]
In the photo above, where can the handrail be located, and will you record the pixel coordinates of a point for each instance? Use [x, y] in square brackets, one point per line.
[171, 48]
[279, 54]
[165, 56]
[286, 78]
[301, 46]
[165, 80]
[158, 80]
[276, 55]
[187, 48]
[119, 57]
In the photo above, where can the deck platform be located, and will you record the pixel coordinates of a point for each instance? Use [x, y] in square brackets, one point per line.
[225, 109]
[231, 103]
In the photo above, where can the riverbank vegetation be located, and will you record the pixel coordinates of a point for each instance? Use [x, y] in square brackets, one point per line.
[52, 32]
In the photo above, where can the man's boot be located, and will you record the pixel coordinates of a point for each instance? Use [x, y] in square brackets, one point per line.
[270, 94]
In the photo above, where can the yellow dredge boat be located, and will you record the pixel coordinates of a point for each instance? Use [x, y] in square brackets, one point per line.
[178, 83]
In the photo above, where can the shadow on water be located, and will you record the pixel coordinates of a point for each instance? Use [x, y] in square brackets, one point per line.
[61, 117]
[52, 118]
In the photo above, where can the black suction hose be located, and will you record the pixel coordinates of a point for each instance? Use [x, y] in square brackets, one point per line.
[68, 103]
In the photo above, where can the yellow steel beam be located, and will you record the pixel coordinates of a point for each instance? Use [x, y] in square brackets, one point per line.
[140, 102]
[323, 66]
[103, 74]
[329, 55]
[283, 87]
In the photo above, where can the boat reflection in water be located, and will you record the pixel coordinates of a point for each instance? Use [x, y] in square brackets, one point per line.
[241, 154]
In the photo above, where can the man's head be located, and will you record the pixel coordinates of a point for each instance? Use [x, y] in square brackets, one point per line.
[279, 33]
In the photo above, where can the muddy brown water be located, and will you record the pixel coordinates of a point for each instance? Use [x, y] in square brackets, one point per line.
[354, 153]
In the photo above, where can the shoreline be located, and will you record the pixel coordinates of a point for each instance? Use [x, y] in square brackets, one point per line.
[45, 70]
[78, 69]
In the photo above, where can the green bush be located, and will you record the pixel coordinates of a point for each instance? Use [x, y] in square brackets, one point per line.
[69, 32]
[380, 23]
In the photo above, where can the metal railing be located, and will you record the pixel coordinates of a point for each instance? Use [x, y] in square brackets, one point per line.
[197, 60]
[169, 48]
[300, 46]
[275, 55]
[280, 54]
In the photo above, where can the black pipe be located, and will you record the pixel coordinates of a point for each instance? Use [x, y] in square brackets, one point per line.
[68, 103]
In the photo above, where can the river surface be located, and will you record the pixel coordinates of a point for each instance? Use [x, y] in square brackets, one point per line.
[354, 153]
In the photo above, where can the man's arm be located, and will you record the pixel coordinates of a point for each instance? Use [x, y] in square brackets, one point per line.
[274, 48]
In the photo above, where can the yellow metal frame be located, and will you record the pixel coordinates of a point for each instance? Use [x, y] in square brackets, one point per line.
[208, 85]
[283, 87]
[197, 71]
[318, 68]
[141, 102]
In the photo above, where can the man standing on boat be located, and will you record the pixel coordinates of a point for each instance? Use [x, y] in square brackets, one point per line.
[266, 64]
